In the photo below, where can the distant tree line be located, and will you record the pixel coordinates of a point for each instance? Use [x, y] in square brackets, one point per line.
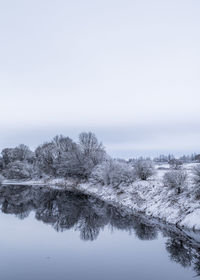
[184, 158]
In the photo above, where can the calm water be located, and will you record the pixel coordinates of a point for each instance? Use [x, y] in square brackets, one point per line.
[53, 234]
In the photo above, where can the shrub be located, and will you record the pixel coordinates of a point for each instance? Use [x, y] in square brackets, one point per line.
[196, 180]
[113, 172]
[175, 179]
[144, 169]
[175, 164]
[18, 170]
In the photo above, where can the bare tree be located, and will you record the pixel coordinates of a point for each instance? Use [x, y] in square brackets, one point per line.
[175, 179]
[175, 164]
[144, 169]
[196, 180]
[92, 152]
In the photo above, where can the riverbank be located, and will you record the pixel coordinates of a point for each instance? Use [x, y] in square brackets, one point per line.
[151, 199]
[148, 197]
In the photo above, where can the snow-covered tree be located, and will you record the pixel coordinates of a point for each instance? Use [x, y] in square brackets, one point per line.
[63, 157]
[19, 153]
[175, 179]
[45, 156]
[1, 164]
[175, 164]
[23, 153]
[8, 155]
[91, 154]
[66, 155]
[196, 180]
[144, 169]
[197, 158]
[91, 148]
[114, 173]
[18, 170]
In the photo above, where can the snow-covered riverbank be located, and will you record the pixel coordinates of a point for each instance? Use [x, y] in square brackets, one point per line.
[153, 200]
[148, 197]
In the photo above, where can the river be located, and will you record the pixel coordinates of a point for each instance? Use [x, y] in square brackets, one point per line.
[56, 234]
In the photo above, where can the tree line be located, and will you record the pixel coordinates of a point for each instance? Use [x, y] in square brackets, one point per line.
[87, 159]
[61, 157]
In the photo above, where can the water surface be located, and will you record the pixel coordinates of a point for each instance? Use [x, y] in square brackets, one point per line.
[57, 234]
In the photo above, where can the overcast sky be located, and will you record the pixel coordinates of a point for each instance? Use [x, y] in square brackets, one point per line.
[127, 70]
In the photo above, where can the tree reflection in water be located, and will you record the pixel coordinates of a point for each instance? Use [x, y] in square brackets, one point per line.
[66, 210]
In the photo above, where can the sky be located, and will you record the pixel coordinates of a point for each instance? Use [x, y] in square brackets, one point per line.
[126, 70]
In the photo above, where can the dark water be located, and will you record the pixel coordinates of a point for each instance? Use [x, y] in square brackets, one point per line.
[54, 234]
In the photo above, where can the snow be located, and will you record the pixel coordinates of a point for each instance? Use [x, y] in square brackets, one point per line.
[192, 219]
[154, 200]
